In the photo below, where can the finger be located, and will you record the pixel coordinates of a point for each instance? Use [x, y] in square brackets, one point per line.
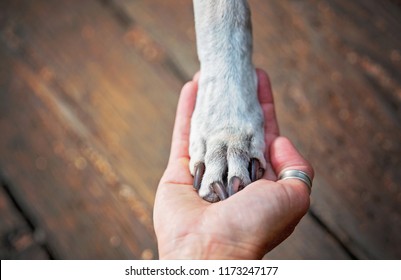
[284, 156]
[185, 107]
[271, 128]
[196, 76]
[264, 87]
[265, 97]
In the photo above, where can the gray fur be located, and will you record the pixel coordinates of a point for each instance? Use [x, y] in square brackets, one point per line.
[227, 124]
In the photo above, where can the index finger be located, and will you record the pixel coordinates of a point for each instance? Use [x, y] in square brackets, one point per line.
[185, 108]
[271, 129]
[265, 96]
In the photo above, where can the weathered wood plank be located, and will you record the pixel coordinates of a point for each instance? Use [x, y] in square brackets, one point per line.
[82, 76]
[355, 132]
[300, 245]
[335, 66]
[53, 175]
[70, 109]
[84, 157]
[170, 24]
[17, 240]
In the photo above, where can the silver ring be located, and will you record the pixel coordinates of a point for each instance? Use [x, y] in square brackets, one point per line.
[296, 174]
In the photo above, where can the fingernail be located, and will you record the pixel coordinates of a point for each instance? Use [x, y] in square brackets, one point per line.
[199, 171]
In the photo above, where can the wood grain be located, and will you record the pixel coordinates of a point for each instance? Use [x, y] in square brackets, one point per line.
[334, 67]
[84, 119]
[88, 91]
[18, 240]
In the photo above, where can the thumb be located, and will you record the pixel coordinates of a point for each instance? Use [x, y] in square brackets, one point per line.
[284, 156]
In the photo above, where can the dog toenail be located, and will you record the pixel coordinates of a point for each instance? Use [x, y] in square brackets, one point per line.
[234, 185]
[218, 188]
[254, 169]
[199, 171]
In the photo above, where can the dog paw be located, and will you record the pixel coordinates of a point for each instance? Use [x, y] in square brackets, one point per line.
[227, 136]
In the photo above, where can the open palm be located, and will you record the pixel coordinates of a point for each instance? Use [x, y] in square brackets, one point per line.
[244, 226]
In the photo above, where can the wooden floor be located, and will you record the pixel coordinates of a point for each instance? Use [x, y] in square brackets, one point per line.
[88, 91]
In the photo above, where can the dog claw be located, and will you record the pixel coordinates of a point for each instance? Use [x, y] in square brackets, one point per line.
[255, 171]
[218, 188]
[199, 171]
[234, 185]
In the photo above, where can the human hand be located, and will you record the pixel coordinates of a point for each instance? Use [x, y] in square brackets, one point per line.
[246, 225]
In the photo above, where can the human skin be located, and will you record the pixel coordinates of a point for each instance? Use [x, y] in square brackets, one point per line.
[248, 224]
